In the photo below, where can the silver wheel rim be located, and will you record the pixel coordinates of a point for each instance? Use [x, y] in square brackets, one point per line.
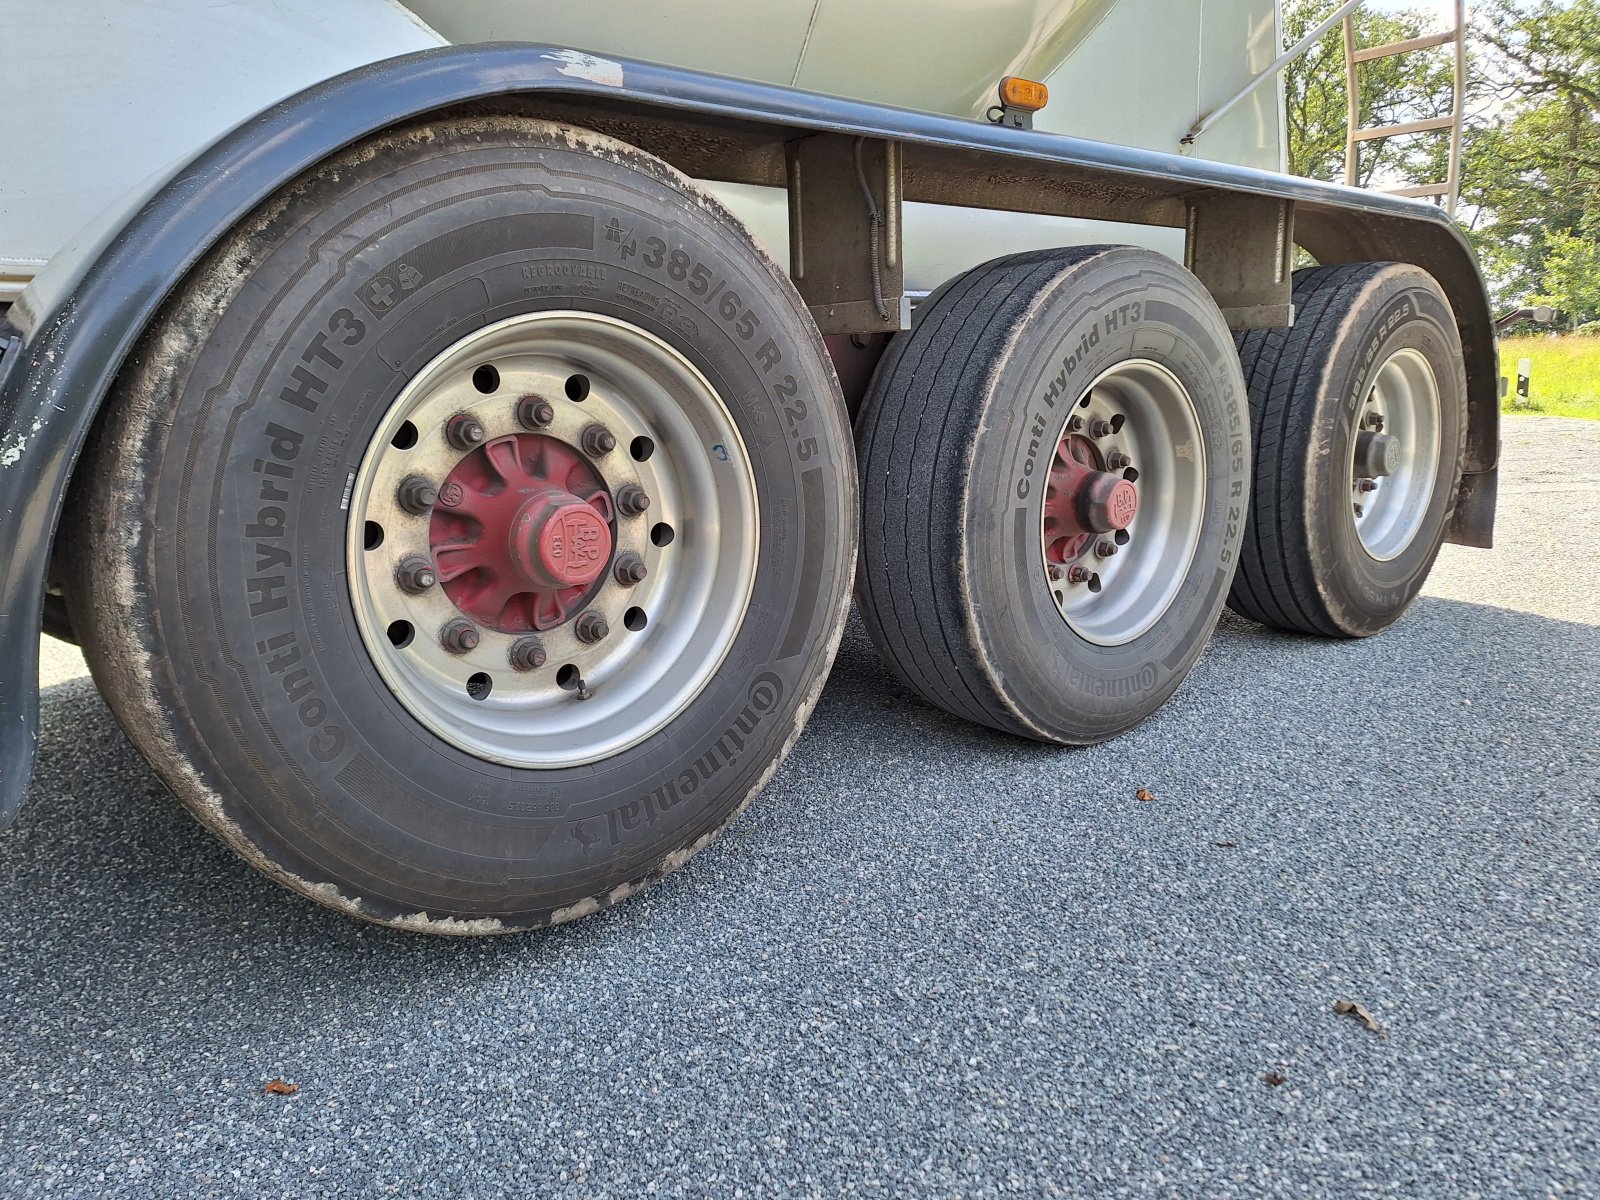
[1403, 403]
[1157, 428]
[589, 700]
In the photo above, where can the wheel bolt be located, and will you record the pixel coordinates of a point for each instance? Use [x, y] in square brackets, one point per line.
[598, 441]
[417, 495]
[591, 627]
[1374, 421]
[534, 413]
[459, 636]
[464, 431]
[1105, 549]
[1077, 575]
[1074, 424]
[631, 500]
[415, 574]
[1360, 512]
[1054, 571]
[630, 569]
[1117, 460]
[1367, 485]
[1099, 427]
[527, 654]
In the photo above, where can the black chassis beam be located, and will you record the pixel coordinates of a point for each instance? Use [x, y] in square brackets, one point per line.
[62, 350]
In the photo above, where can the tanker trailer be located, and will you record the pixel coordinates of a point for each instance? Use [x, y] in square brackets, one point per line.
[452, 431]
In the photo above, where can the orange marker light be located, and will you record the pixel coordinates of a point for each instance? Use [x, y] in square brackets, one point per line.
[1026, 94]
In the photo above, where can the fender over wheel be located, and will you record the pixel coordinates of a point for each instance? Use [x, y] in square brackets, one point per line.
[473, 532]
[1359, 421]
[1054, 479]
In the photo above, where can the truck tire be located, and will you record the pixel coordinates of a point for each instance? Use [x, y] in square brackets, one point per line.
[471, 535]
[1054, 473]
[1359, 420]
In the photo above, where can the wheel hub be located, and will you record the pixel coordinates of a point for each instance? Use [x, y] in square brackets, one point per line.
[552, 539]
[1082, 500]
[1394, 455]
[1123, 503]
[521, 531]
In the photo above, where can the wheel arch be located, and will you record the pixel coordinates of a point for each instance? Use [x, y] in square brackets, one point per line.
[68, 336]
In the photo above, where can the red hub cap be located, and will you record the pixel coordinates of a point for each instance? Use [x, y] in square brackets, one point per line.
[521, 533]
[1082, 501]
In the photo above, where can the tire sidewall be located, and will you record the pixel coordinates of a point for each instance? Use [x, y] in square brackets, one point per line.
[1403, 310]
[315, 763]
[1120, 305]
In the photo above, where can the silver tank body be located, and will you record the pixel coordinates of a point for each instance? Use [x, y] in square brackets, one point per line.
[112, 98]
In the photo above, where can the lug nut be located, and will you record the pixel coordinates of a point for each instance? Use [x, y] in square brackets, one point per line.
[459, 636]
[534, 413]
[1367, 485]
[1099, 427]
[1077, 575]
[415, 574]
[1074, 424]
[527, 654]
[1360, 512]
[591, 627]
[417, 495]
[1054, 571]
[464, 431]
[630, 569]
[1374, 421]
[1105, 549]
[598, 441]
[631, 500]
[1117, 460]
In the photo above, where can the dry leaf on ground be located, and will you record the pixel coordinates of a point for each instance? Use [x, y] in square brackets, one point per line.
[1144, 794]
[1351, 1008]
[1273, 1079]
[281, 1087]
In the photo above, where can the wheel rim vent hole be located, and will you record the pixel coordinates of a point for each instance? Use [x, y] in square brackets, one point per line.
[400, 634]
[568, 678]
[635, 619]
[662, 534]
[641, 448]
[372, 535]
[1131, 474]
[1120, 537]
[577, 388]
[486, 379]
[479, 686]
[405, 437]
[1094, 583]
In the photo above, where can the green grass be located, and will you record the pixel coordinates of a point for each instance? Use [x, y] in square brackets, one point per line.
[1565, 380]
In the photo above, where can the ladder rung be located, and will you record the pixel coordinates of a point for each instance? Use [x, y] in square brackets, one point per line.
[1405, 127]
[1417, 43]
[1430, 189]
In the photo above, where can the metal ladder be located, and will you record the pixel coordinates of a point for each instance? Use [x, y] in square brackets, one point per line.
[1450, 189]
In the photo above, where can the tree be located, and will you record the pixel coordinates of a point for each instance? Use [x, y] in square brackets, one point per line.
[1531, 167]
[1408, 87]
[1571, 277]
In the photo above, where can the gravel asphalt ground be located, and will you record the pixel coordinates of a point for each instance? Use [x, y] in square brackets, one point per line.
[930, 961]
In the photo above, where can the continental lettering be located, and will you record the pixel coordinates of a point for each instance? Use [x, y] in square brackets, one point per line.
[761, 700]
[1118, 687]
